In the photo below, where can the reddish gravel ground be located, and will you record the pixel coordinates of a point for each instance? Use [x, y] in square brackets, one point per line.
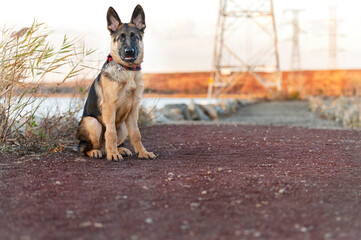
[209, 182]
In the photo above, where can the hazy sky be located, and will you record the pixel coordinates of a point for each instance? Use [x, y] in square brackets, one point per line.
[180, 34]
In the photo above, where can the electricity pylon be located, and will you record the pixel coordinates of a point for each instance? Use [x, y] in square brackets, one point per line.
[233, 56]
[295, 63]
[333, 35]
[295, 55]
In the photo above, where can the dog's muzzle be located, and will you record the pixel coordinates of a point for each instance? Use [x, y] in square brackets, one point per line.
[129, 54]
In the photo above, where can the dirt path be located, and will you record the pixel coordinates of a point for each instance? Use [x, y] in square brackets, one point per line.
[281, 113]
[223, 181]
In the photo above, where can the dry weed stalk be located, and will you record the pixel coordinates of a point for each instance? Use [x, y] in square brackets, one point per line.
[26, 60]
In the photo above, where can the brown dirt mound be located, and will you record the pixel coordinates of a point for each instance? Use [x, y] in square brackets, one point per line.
[209, 182]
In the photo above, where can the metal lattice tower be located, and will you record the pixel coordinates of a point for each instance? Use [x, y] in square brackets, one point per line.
[245, 44]
[332, 47]
[295, 63]
[295, 56]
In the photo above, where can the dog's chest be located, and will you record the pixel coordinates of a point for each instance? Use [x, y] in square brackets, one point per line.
[128, 97]
[121, 89]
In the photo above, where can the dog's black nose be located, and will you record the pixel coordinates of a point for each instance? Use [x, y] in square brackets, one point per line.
[129, 51]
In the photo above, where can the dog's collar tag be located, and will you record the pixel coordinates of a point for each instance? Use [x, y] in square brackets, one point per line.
[136, 68]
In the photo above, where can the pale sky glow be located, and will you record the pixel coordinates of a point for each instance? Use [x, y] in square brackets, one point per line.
[180, 34]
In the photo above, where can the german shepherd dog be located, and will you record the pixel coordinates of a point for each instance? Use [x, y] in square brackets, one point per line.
[112, 107]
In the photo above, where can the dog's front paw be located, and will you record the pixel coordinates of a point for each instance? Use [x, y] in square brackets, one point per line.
[94, 153]
[146, 155]
[125, 152]
[114, 157]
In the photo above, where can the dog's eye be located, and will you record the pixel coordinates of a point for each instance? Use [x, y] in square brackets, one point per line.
[122, 37]
[133, 37]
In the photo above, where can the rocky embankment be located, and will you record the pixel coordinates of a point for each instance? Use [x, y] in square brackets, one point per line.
[197, 112]
[345, 110]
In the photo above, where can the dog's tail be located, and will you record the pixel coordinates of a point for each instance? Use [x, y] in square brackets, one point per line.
[84, 146]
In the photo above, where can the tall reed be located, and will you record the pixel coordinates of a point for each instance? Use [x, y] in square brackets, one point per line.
[27, 58]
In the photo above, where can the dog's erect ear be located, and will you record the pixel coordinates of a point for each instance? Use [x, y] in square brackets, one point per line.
[138, 18]
[113, 20]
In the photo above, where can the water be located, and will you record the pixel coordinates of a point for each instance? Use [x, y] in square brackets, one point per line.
[60, 105]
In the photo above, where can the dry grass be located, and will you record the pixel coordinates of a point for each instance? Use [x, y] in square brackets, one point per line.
[27, 58]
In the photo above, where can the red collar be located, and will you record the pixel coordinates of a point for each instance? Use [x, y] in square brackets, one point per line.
[136, 68]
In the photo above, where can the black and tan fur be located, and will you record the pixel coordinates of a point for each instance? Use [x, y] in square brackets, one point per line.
[112, 107]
